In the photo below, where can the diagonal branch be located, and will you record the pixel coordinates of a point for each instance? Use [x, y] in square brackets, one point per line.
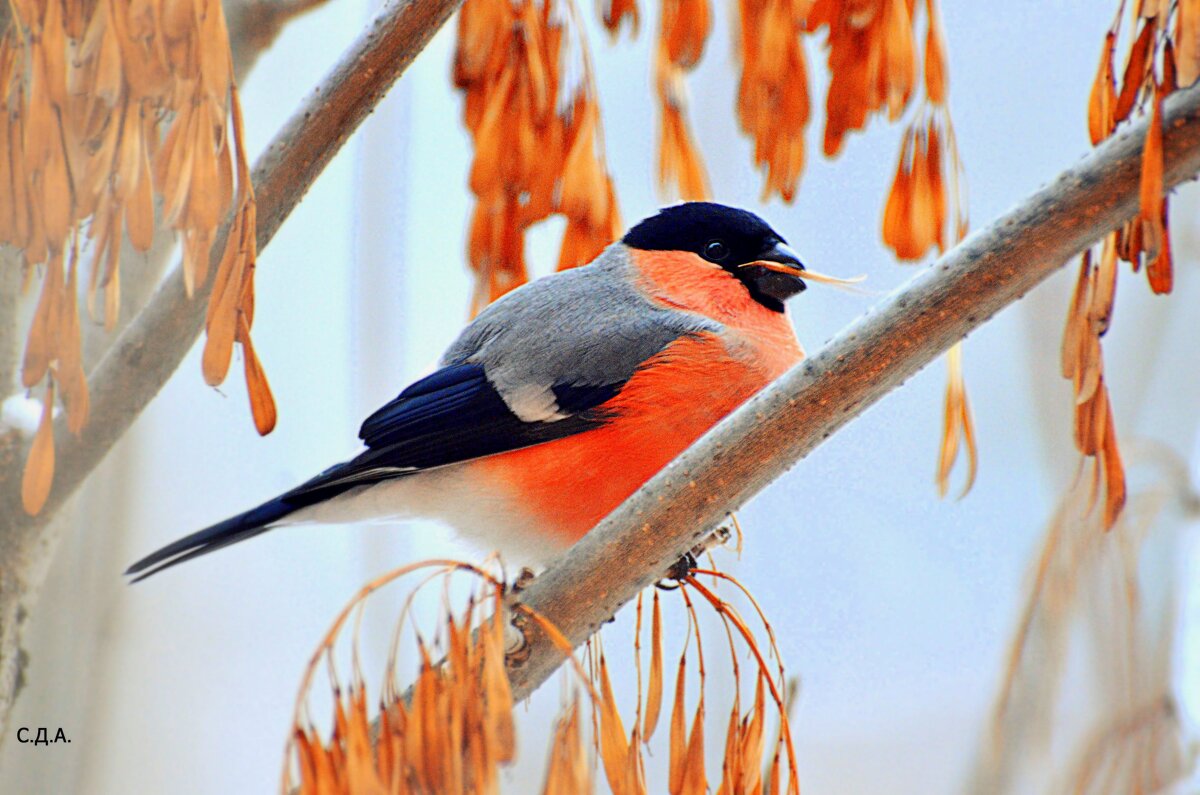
[634, 546]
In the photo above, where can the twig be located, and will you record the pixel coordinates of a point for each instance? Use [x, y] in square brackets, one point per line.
[994, 267]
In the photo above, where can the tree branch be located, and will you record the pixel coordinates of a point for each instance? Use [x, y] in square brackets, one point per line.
[149, 350]
[636, 544]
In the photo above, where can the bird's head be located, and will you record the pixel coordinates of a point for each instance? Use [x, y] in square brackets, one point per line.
[736, 240]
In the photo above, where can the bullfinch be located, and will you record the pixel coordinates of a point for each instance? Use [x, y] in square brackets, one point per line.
[563, 397]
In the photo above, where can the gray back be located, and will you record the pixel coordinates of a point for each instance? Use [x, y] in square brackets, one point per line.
[588, 325]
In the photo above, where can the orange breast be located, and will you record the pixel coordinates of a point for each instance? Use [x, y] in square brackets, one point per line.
[567, 486]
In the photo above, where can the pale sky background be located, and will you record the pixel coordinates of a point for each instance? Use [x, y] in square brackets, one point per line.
[894, 607]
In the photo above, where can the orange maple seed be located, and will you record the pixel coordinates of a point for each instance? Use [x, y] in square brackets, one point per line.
[1151, 189]
[480, 25]
[231, 298]
[1160, 270]
[1187, 42]
[39, 466]
[924, 221]
[731, 759]
[533, 31]
[752, 740]
[1114, 473]
[654, 689]
[112, 290]
[695, 782]
[139, 212]
[1080, 299]
[899, 68]
[1136, 72]
[485, 180]
[957, 425]
[1089, 418]
[582, 179]
[935, 57]
[40, 343]
[70, 356]
[612, 732]
[496, 689]
[614, 14]
[678, 738]
[933, 169]
[1100, 309]
[897, 210]
[57, 194]
[1091, 364]
[262, 402]
[684, 30]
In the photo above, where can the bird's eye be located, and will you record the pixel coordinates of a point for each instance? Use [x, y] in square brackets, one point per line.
[715, 250]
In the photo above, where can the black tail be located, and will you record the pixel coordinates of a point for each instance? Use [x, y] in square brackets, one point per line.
[232, 530]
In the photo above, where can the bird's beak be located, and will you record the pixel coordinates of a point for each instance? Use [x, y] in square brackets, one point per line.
[777, 272]
[781, 259]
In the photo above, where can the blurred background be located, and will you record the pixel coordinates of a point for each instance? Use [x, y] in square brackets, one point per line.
[895, 609]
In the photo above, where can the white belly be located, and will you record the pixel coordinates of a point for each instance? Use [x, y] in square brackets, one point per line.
[449, 495]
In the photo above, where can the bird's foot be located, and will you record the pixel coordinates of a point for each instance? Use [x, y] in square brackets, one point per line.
[679, 570]
[524, 577]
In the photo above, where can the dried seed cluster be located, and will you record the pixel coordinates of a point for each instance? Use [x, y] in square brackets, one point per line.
[538, 142]
[745, 742]
[1164, 53]
[925, 204]
[772, 101]
[106, 104]
[454, 729]
[450, 736]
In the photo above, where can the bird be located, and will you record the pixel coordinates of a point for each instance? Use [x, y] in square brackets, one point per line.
[564, 396]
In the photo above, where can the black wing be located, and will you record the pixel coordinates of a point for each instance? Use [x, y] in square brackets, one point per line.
[453, 415]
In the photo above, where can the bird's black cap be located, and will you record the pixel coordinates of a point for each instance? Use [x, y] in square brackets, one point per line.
[726, 236]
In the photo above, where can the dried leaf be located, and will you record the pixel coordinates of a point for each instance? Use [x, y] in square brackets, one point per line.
[262, 402]
[1114, 472]
[678, 739]
[935, 57]
[695, 782]
[1103, 100]
[41, 344]
[1187, 42]
[613, 749]
[1151, 192]
[1075, 326]
[1160, 270]
[654, 689]
[1105, 287]
[39, 466]
[899, 70]
[1136, 72]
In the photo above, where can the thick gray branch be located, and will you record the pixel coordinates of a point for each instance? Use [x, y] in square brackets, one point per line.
[634, 546]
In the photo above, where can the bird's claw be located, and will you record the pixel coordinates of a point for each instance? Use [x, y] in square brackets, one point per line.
[679, 570]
